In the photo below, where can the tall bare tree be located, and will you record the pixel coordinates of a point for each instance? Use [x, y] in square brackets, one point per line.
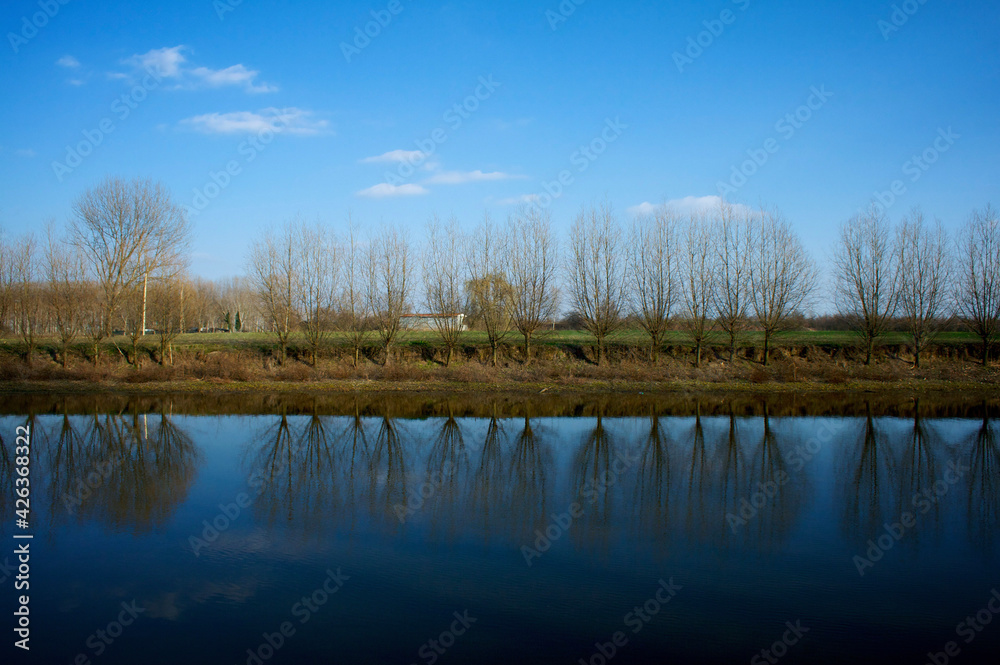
[67, 291]
[353, 304]
[533, 266]
[444, 292]
[389, 281]
[274, 273]
[923, 257]
[27, 295]
[979, 277]
[782, 276]
[699, 276]
[867, 276]
[6, 285]
[319, 267]
[128, 230]
[488, 285]
[165, 304]
[652, 260]
[734, 240]
[597, 273]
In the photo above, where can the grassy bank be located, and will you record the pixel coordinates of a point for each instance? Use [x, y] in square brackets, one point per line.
[561, 360]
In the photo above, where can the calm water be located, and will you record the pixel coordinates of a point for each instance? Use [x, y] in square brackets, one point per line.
[548, 530]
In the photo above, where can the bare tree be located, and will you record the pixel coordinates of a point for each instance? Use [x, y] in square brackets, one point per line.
[389, 283]
[6, 285]
[128, 230]
[979, 277]
[782, 276]
[166, 313]
[319, 265]
[27, 298]
[652, 260]
[353, 303]
[66, 275]
[734, 227]
[533, 265]
[698, 281]
[924, 260]
[444, 294]
[488, 285]
[597, 273]
[275, 277]
[867, 276]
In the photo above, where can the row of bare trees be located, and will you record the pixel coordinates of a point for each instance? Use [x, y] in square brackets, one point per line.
[914, 273]
[120, 265]
[729, 269]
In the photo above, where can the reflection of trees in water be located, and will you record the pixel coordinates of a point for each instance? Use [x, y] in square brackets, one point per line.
[387, 471]
[128, 471]
[529, 476]
[651, 493]
[700, 517]
[7, 446]
[919, 470]
[983, 504]
[731, 467]
[442, 485]
[770, 475]
[870, 474]
[595, 480]
[489, 487]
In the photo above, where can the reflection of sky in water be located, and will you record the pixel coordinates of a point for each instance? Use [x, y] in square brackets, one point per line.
[328, 491]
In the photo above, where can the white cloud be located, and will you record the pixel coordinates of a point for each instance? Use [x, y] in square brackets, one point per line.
[462, 177]
[235, 75]
[385, 190]
[412, 156]
[171, 63]
[68, 61]
[290, 120]
[25, 152]
[76, 82]
[516, 200]
[683, 206]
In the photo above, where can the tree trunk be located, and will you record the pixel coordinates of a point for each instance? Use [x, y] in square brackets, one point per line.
[527, 348]
[697, 354]
[447, 360]
[986, 352]
[493, 353]
[357, 353]
[65, 353]
[732, 348]
[767, 346]
[916, 357]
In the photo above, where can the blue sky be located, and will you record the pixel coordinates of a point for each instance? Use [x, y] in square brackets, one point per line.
[533, 82]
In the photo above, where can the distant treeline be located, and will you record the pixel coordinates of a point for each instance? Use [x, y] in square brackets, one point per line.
[120, 266]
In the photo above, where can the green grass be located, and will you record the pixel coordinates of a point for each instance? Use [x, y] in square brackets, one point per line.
[233, 341]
